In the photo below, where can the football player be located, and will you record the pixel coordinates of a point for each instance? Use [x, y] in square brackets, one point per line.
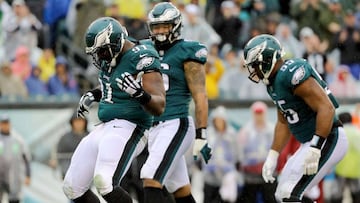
[173, 132]
[306, 110]
[131, 92]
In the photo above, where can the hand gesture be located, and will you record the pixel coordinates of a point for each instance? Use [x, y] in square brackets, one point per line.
[201, 146]
[132, 86]
[84, 104]
[270, 166]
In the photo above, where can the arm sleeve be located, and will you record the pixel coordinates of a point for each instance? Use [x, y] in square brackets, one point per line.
[27, 165]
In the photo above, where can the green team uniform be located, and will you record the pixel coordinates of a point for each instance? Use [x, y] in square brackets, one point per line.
[116, 104]
[300, 117]
[178, 95]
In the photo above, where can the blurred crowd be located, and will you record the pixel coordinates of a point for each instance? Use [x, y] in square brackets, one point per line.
[325, 32]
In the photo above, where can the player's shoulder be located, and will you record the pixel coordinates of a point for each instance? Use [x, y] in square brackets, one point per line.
[192, 50]
[295, 71]
[191, 45]
[145, 48]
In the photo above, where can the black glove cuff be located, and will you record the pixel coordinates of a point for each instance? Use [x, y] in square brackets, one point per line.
[200, 133]
[317, 141]
[143, 98]
[97, 94]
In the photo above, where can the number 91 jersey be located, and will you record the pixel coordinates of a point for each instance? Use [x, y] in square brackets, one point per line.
[118, 104]
[300, 117]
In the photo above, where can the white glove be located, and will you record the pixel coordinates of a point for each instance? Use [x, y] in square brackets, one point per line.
[201, 146]
[130, 85]
[270, 166]
[311, 161]
[85, 103]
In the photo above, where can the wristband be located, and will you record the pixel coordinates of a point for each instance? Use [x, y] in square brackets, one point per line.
[200, 133]
[97, 94]
[143, 98]
[317, 141]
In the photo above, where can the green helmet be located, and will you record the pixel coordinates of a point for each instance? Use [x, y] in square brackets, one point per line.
[105, 38]
[260, 55]
[165, 13]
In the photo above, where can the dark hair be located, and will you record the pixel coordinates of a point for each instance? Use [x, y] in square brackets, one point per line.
[345, 117]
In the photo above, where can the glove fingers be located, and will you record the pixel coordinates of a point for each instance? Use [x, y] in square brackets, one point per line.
[131, 82]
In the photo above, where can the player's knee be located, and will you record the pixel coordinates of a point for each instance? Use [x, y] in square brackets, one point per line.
[102, 185]
[69, 191]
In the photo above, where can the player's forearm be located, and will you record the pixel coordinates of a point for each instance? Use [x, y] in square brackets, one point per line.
[201, 110]
[27, 166]
[156, 105]
[324, 120]
[281, 136]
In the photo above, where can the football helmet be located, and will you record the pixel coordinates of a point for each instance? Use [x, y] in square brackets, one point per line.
[260, 55]
[165, 13]
[105, 38]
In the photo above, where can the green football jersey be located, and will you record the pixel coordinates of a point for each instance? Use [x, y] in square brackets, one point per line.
[178, 95]
[301, 118]
[118, 104]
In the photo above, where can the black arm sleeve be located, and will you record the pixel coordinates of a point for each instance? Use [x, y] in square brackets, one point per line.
[27, 166]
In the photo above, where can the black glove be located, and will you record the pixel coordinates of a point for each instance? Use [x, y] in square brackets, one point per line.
[86, 100]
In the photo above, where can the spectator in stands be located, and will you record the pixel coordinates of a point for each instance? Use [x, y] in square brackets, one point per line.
[214, 69]
[234, 83]
[254, 140]
[221, 178]
[292, 46]
[305, 12]
[228, 25]
[21, 29]
[69, 141]
[11, 86]
[315, 53]
[272, 21]
[196, 28]
[5, 10]
[356, 115]
[344, 84]
[35, 86]
[331, 21]
[46, 64]
[348, 42]
[63, 82]
[347, 171]
[54, 17]
[15, 160]
[21, 66]
[79, 18]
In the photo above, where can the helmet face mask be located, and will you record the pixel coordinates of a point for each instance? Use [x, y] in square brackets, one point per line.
[164, 14]
[105, 39]
[261, 54]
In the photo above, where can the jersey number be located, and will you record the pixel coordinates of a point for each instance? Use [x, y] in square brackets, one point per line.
[291, 115]
[165, 77]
